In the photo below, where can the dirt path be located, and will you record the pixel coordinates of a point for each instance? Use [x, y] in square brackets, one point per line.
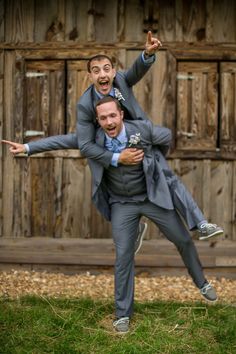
[17, 283]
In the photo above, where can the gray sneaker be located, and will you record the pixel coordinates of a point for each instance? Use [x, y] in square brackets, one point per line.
[121, 325]
[142, 228]
[208, 292]
[209, 230]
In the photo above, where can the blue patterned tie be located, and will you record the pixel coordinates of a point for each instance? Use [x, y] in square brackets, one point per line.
[115, 145]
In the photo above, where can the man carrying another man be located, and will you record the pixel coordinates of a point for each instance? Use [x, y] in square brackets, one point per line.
[107, 81]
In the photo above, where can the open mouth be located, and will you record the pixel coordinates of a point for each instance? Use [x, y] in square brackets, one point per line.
[104, 84]
[111, 131]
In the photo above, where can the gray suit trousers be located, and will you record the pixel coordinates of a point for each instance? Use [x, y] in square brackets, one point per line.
[125, 219]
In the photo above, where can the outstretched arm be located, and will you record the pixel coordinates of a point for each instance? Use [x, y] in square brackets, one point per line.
[56, 142]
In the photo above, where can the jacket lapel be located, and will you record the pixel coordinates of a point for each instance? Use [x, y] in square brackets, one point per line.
[126, 102]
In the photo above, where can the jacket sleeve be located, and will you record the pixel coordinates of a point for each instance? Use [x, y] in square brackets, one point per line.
[161, 137]
[86, 138]
[56, 142]
[136, 72]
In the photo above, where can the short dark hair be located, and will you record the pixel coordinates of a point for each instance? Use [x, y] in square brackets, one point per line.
[107, 99]
[98, 57]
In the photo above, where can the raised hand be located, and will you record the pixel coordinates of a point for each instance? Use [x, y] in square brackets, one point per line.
[152, 44]
[15, 148]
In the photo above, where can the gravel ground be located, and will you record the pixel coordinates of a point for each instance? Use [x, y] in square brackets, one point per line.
[15, 283]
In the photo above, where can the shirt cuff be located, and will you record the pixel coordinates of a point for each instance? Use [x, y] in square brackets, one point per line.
[27, 148]
[148, 60]
[115, 158]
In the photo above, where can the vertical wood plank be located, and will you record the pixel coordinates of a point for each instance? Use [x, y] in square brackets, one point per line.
[77, 83]
[26, 197]
[106, 21]
[76, 199]
[19, 21]
[17, 230]
[228, 106]
[194, 20]
[167, 20]
[100, 228]
[8, 128]
[221, 21]
[221, 195]
[58, 178]
[163, 90]
[190, 175]
[206, 186]
[49, 20]
[179, 20]
[43, 197]
[76, 20]
[134, 21]
[2, 20]
[19, 97]
[1, 137]
[233, 217]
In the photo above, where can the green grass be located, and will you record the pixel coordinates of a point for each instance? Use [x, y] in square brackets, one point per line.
[47, 325]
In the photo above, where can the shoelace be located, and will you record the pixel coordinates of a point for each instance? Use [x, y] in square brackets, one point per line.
[208, 225]
[121, 320]
[206, 288]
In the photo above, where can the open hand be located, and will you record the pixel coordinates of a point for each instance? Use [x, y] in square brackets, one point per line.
[15, 148]
[131, 156]
[152, 44]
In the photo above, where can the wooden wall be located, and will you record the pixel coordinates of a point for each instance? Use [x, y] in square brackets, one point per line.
[100, 21]
[191, 89]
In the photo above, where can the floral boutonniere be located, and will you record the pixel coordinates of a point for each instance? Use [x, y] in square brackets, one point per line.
[118, 94]
[134, 139]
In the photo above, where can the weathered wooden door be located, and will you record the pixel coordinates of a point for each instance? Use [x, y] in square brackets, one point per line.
[49, 194]
[197, 106]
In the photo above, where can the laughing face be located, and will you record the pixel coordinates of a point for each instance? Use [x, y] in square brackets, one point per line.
[110, 118]
[102, 75]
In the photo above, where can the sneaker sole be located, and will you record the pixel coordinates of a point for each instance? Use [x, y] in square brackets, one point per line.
[210, 300]
[211, 235]
[141, 238]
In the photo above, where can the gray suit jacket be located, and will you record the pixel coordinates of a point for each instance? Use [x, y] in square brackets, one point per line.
[153, 140]
[86, 117]
[55, 142]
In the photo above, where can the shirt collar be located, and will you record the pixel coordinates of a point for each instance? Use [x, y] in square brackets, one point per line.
[111, 93]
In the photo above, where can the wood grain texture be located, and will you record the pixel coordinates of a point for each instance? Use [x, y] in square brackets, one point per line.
[1, 137]
[156, 253]
[19, 21]
[197, 106]
[48, 194]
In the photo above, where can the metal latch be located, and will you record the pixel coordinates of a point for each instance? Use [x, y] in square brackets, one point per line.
[189, 135]
[30, 133]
